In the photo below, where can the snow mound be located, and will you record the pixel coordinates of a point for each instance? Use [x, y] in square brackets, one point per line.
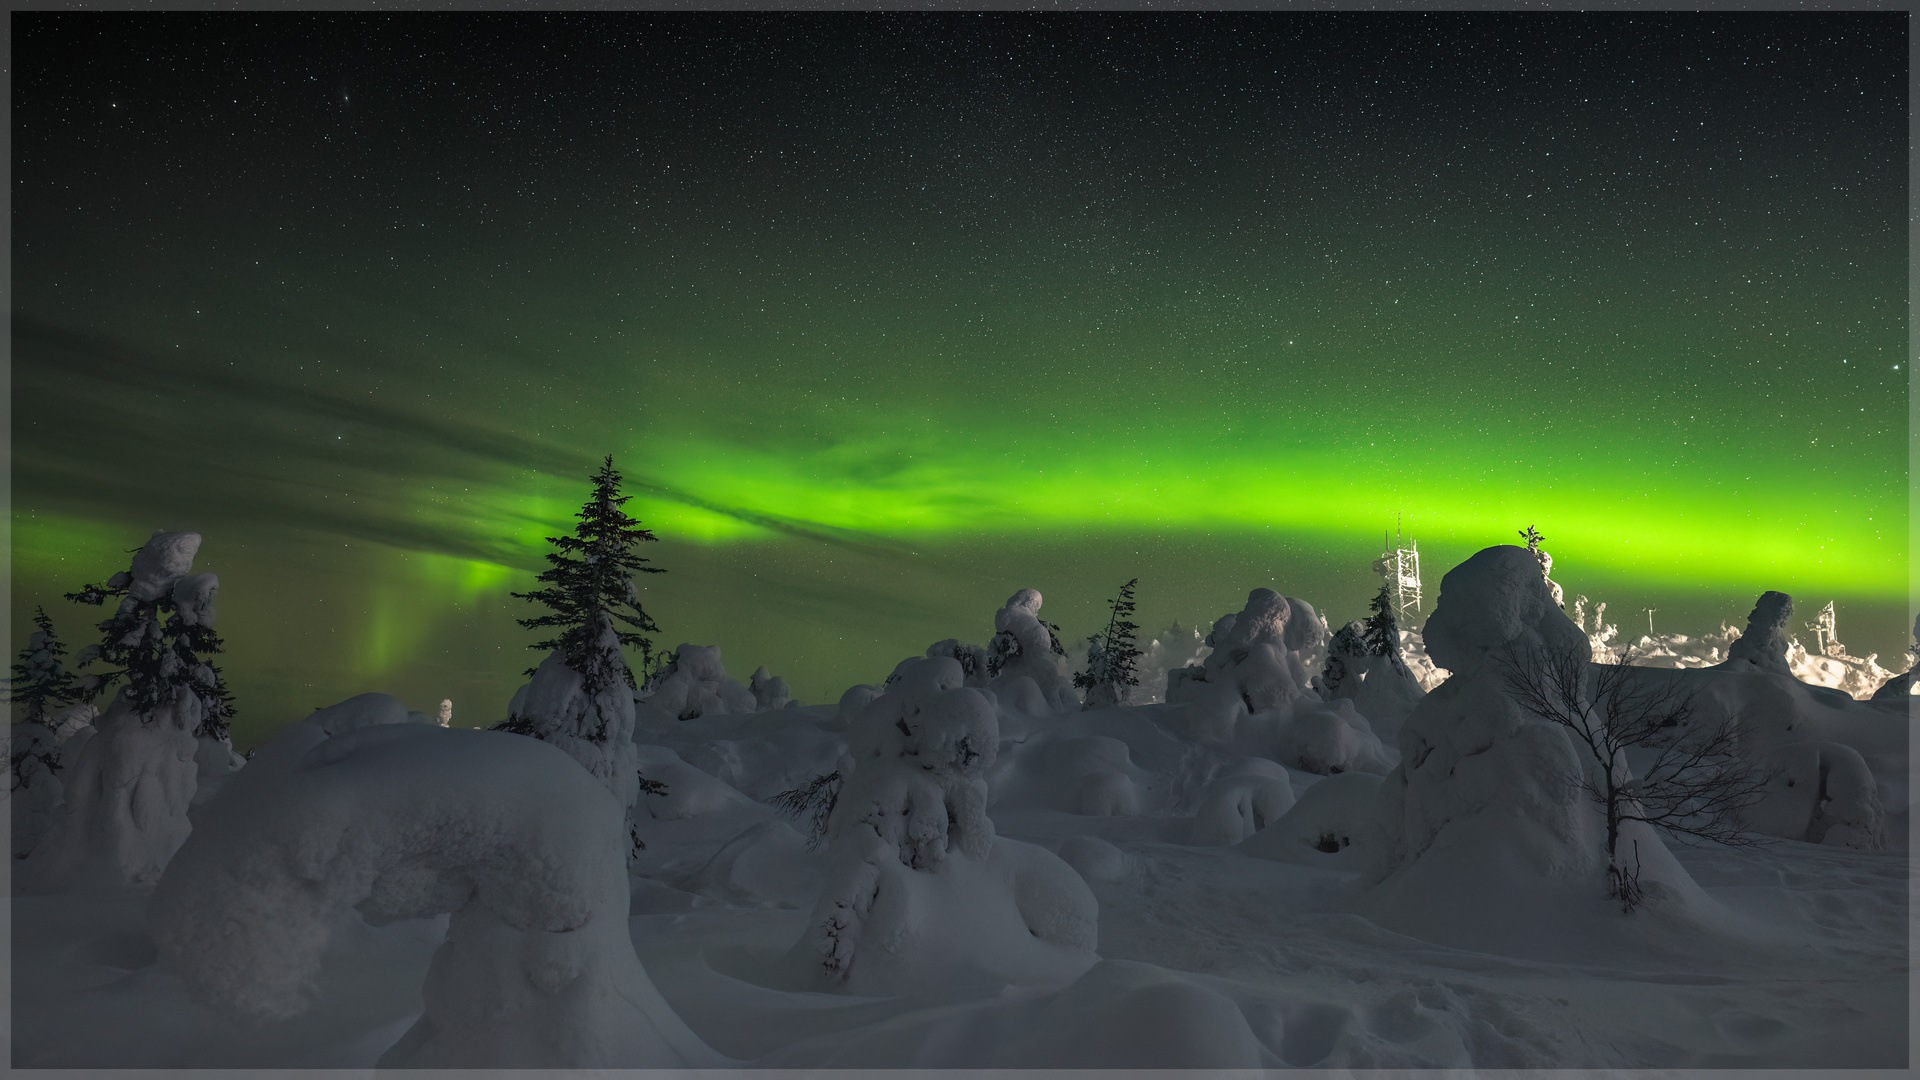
[1480, 837]
[1127, 1015]
[1321, 826]
[918, 890]
[760, 754]
[695, 684]
[126, 797]
[402, 820]
[1822, 793]
[36, 786]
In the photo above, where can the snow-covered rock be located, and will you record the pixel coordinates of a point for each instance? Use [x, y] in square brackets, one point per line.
[918, 891]
[406, 820]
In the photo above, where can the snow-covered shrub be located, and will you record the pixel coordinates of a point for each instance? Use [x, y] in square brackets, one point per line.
[1173, 651]
[1321, 824]
[1260, 661]
[406, 820]
[973, 659]
[918, 890]
[1328, 738]
[593, 725]
[1235, 807]
[1823, 793]
[852, 704]
[769, 690]
[696, 684]
[1482, 822]
[1025, 645]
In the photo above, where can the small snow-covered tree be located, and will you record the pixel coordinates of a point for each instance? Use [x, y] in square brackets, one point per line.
[1113, 658]
[41, 681]
[1349, 643]
[1696, 784]
[590, 590]
[160, 639]
[1381, 634]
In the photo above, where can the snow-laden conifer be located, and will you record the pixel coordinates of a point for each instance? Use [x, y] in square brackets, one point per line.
[581, 698]
[1113, 659]
[41, 684]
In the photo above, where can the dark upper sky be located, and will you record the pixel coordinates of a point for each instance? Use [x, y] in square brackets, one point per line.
[885, 316]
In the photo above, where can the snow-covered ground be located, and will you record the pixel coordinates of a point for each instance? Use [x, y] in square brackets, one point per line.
[1245, 874]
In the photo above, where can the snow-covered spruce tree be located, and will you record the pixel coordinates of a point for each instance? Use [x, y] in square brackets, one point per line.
[127, 792]
[1349, 645]
[40, 684]
[1381, 635]
[581, 697]
[160, 639]
[1113, 659]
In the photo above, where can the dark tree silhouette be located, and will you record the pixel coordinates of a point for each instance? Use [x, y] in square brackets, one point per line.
[1697, 784]
[1381, 634]
[158, 647]
[812, 803]
[1113, 658]
[41, 683]
[590, 590]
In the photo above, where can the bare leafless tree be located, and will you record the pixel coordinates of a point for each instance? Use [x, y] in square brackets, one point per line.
[1697, 784]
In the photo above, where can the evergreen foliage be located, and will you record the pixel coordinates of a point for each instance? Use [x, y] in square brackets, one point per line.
[590, 590]
[1382, 634]
[158, 649]
[1113, 658]
[814, 803]
[40, 680]
[1349, 642]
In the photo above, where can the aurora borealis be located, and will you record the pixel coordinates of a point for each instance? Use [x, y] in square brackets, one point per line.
[886, 316]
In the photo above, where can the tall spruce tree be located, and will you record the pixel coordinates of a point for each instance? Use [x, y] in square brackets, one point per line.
[590, 590]
[1113, 667]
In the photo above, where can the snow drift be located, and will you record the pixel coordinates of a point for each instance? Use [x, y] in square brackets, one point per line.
[404, 820]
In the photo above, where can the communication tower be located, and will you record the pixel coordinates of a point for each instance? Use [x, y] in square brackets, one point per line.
[1399, 566]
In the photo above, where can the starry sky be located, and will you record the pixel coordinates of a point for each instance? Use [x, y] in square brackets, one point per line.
[886, 316]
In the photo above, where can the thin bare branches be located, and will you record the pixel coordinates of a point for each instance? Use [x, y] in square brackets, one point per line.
[1697, 785]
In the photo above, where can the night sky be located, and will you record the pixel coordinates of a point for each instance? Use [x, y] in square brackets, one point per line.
[886, 316]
